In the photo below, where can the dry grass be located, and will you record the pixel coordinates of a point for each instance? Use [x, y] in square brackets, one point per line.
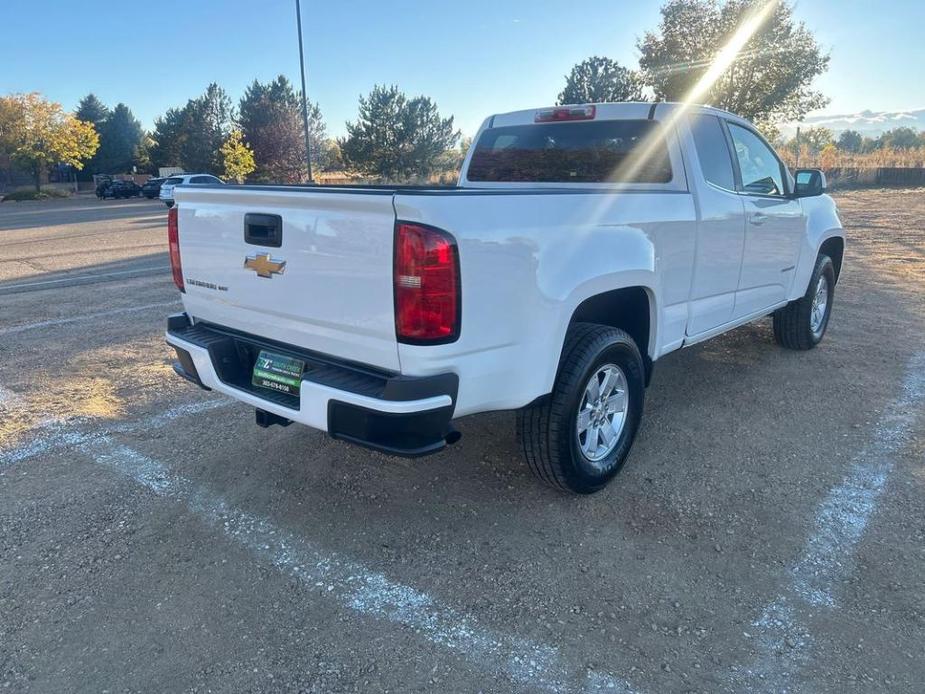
[885, 233]
[87, 387]
[58, 400]
[833, 158]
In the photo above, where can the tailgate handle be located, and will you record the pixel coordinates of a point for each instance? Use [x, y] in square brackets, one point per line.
[263, 229]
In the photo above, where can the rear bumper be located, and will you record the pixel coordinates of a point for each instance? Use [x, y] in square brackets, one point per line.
[397, 414]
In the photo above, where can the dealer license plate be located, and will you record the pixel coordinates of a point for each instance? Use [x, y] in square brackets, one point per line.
[278, 372]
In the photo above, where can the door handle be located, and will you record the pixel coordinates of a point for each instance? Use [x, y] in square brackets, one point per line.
[758, 218]
[263, 229]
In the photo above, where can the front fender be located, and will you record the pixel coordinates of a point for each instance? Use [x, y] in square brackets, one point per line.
[822, 224]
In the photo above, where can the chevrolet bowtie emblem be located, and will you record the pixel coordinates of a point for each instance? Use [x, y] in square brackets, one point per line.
[264, 265]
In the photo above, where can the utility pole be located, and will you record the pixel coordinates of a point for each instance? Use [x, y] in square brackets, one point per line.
[797, 140]
[308, 148]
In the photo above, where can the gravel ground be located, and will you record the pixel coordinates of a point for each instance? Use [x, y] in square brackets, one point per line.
[767, 534]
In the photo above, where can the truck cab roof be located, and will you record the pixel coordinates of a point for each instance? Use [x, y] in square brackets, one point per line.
[526, 148]
[650, 110]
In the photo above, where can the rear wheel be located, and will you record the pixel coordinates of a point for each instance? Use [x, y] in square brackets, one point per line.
[578, 438]
[801, 324]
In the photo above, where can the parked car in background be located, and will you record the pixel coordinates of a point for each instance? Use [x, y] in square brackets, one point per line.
[117, 189]
[152, 188]
[124, 189]
[168, 185]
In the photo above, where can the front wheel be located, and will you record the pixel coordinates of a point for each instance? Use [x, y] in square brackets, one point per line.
[579, 437]
[802, 323]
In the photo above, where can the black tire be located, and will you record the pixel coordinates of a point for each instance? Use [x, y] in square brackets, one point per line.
[547, 430]
[793, 323]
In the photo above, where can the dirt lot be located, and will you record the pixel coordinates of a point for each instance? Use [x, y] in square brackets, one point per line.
[767, 534]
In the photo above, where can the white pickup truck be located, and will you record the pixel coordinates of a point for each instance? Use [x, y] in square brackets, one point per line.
[582, 244]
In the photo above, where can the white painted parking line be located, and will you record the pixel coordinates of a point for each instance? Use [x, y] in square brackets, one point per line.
[81, 278]
[844, 514]
[533, 666]
[782, 641]
[54, 434]
[536, 667]
[7, 398]
[86, 317]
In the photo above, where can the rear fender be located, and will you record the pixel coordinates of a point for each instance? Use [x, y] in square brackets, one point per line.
[635, 279]
[602, 263]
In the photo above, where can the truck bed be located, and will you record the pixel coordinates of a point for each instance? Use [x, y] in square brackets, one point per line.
[518, 267]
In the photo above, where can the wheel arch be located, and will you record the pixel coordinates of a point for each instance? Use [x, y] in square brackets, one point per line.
[834, 247]
[631, 308]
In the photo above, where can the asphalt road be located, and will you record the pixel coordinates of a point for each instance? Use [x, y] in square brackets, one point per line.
[767, 534]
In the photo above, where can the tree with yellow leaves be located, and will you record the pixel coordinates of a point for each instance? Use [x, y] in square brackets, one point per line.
[237, 157]
[37, 134]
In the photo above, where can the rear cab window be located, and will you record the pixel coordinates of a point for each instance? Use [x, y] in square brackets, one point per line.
[606, 151]
[713, 151]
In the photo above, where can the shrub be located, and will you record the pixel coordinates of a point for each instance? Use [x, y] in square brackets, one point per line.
[47, 194]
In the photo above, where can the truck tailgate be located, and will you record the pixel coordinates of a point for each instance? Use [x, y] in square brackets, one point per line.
[334, 292]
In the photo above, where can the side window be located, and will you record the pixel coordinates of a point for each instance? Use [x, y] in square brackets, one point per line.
[713, 151]
[200, 179]
[760, 167]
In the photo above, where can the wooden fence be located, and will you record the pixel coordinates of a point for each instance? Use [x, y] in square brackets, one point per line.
[846, 177]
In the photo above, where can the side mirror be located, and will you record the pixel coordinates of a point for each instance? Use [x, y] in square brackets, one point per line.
[809, 182]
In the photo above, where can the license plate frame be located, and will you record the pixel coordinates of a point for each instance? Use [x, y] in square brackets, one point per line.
[277, 372]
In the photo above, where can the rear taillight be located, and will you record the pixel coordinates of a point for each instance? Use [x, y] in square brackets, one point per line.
[565, 113]
[427, 301]
[173, 243]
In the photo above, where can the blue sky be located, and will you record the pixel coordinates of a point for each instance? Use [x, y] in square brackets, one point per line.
[473, 57]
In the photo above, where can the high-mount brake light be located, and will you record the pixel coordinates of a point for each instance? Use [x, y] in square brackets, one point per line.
[564, 113]
[426, 279]
[173, 245]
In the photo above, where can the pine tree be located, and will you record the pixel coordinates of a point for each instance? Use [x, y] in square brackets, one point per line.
[91, 110]
[120, 136]
[600, 80]
[397, 138]
[270, 118]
